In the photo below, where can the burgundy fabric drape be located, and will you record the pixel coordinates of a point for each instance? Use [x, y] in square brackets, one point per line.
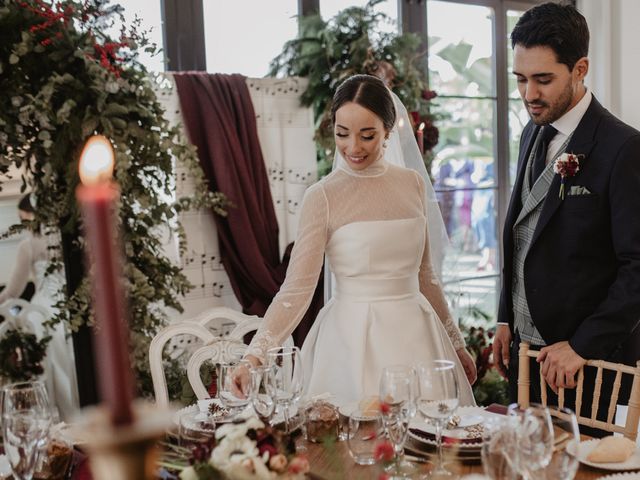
[221, 123]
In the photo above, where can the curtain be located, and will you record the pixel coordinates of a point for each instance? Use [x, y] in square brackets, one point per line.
[221, 122]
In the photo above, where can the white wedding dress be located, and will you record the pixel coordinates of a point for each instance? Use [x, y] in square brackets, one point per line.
[388, 307]
[32, 261]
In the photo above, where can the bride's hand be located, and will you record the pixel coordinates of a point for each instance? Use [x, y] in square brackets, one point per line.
[469, 365]
[241, 377]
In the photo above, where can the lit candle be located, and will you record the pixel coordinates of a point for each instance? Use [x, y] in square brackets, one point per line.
[97, 196]
[420, 138]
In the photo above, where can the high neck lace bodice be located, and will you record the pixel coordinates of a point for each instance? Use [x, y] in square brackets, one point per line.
[376, 169]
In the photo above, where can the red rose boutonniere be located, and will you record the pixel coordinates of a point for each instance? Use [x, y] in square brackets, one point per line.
[567, 165]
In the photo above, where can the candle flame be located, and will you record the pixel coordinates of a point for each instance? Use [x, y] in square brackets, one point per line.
[421, 127]
[96, 161]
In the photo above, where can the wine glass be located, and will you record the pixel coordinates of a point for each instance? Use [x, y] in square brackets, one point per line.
[438, 401]
[26, 418]
[564, 462]
[497, 437]
[285, 378]
[262, 393]
[532, 445]
[398, 394]
[230, 397]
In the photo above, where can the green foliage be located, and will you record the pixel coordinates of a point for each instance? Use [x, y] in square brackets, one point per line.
[63, 79]
[21, 355]
[352, 42]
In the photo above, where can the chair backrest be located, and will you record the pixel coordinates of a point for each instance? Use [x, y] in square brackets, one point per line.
[187, 327]
[222, 350]
[19, 313]
[629, 430]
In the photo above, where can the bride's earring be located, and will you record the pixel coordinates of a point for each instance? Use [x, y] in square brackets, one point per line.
[385, 144]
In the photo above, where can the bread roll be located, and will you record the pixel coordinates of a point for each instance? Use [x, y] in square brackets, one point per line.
[612, 450]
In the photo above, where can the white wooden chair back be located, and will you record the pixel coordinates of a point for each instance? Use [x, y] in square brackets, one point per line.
[19, 313]
[629, 430]
[222, 350]
[187, 327]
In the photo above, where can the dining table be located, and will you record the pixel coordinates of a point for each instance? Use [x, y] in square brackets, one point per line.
[333, 462]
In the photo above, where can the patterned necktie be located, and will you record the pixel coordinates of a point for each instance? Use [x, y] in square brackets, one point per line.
[540, 159]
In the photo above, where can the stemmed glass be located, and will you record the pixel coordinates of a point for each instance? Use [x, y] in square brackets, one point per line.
[262, 393]
[229, 396]
[26, 418]
[564, 462]
[398, 394]
[533, 439]
[285, 378]
[438, 401]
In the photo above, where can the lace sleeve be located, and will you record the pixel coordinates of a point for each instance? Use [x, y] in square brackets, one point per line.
[21, 272]
[432, 289]
[291, 302]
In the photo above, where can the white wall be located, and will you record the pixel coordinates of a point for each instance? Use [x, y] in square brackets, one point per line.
[614, 52]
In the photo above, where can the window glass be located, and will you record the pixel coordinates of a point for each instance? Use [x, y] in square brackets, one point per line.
[244, 36]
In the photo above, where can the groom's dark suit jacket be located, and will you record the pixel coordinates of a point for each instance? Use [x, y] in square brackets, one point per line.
[582, 271]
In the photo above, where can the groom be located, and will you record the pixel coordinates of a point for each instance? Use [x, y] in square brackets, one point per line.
[571, 279]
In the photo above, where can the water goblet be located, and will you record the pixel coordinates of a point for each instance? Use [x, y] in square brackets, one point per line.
[564, 462]
[262, 393]
[398, 394]
[285, 378]
[230, 397]
[497, 437]
[437, 402]
[532, 446]
[26, 418]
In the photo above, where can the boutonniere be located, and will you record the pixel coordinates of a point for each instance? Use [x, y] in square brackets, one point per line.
[567, 165]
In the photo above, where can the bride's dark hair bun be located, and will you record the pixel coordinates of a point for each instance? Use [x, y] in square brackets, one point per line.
[369, 92]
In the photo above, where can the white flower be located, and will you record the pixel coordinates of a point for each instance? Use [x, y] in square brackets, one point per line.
[188, 473]
[238, 429]
[112, 87]
[233, 450]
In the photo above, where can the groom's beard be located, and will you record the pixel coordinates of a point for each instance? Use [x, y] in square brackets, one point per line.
[555, 110]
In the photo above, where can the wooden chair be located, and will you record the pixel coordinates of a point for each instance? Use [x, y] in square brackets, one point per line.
[629, 430]
[219, 327]
[222, 350]
[18, 313]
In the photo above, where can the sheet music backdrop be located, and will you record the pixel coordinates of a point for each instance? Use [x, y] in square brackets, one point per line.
[285, 130]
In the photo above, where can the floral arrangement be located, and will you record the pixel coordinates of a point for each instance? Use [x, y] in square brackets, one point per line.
[566, 165]
[353, 42]
[21, 355]
[64, 78]
[246, 450]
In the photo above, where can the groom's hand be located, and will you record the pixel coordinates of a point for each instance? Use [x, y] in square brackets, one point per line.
[559, 364]
[501, 348]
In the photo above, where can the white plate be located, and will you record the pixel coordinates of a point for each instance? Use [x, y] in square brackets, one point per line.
[469, 416]
[622, 476]
[584, 448]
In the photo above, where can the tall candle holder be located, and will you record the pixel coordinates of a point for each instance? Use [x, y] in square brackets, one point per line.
[124, 452]
[121, 435]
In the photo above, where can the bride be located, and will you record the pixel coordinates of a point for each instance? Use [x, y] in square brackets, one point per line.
[32, 261]
[371, 217]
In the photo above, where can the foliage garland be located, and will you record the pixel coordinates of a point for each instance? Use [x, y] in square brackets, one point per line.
[63, 78]
[353, 42]
[21, 355]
